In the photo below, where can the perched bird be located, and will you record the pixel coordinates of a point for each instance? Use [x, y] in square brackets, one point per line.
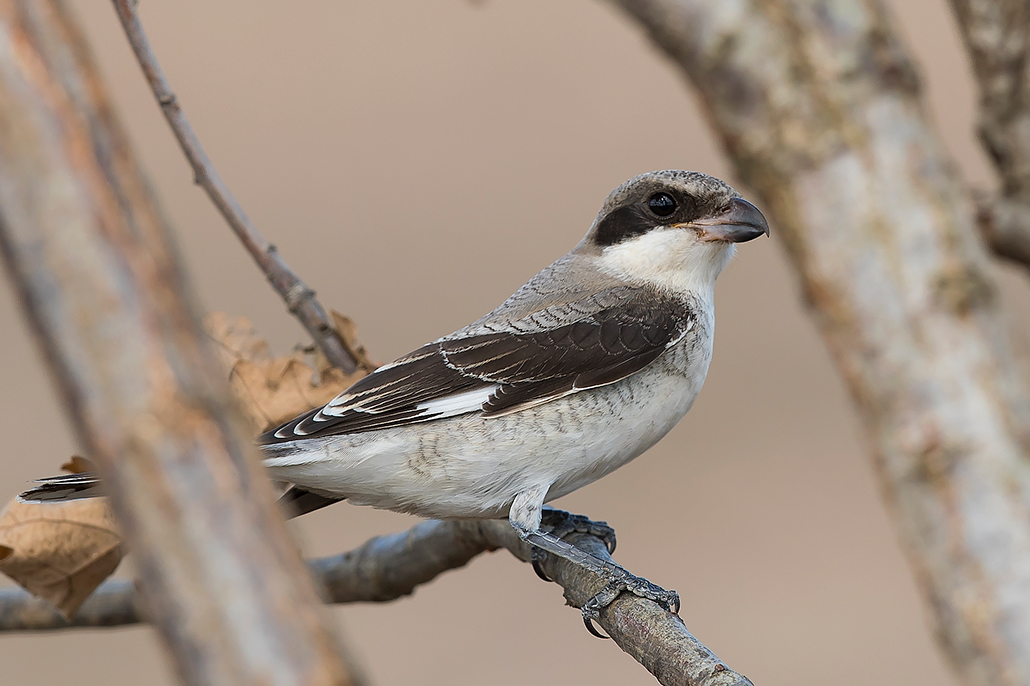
[585, 367]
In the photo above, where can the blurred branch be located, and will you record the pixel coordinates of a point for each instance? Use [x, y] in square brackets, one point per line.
[295, 293]
[99, 281]
[818, 106]
[997, 36]
[390, 567]
[113, 603]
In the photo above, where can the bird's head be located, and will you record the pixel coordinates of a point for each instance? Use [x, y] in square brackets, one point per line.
[674, 229]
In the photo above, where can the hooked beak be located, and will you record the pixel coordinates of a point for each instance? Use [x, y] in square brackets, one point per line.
[738, 223]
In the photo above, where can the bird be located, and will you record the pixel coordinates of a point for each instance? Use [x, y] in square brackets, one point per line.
[581, 370]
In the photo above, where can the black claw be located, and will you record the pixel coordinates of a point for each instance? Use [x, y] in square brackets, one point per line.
[538, 568]
[592, 629]
[674, 606]
[555, 525]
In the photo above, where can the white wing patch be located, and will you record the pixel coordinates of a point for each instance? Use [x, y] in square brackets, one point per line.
[462, 403]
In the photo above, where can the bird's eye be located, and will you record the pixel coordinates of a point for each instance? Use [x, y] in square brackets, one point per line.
[661, 204]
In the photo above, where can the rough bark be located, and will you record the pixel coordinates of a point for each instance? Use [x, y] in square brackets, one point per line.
[997, 35]
[98, 278]
[818, 106]
[390, 567]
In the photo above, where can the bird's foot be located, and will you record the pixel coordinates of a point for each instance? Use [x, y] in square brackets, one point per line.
[545, 528]
[619, 580]
[550, 539]
[560, 524]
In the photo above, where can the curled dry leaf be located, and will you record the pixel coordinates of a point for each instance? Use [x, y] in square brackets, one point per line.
[60, 551]
[272, 390]
[349, 333]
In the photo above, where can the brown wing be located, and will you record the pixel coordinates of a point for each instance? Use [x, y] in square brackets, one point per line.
[503, 372]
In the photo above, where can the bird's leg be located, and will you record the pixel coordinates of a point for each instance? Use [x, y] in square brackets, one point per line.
[526, 515]
[560, 524]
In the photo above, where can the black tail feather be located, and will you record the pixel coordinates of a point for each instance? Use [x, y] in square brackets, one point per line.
[64, 487]
[296, 501]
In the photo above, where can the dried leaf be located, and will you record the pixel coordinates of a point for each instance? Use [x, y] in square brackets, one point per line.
[237, 339]
[78, 465]
[59, 551]
[349, 333]
[272, 390]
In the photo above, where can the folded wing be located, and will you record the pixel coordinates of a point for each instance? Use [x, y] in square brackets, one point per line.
[502, 372]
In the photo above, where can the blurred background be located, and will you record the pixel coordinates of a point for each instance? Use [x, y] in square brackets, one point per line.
[416, 162]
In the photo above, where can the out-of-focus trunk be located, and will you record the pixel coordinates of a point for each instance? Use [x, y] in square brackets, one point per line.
[818, 106]
[99, 280]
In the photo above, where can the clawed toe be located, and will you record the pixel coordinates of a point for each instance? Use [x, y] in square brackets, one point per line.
[593, 629]
[537, 561]
[624, 581]
[670, 600]
[561, 523]
[554, 525]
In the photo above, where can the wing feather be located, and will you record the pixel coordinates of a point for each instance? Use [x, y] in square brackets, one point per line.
[504, 371]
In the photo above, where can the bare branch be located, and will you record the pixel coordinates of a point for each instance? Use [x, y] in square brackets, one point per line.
[997, 35]
[389, 567]
[299, 299]
[91, 258]
[818, 106]
[114, 603]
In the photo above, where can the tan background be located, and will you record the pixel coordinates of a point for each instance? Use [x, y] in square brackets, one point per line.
[418, 161]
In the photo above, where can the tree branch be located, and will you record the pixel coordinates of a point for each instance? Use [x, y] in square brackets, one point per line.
[99, 281]
[818, 106]
[299, 299]
[389, 567]
[997, 35]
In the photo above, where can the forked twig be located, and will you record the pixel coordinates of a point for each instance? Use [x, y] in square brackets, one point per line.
[299, 299]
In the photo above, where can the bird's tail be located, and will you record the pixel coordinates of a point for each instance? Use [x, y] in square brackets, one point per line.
[295, 501]
[64, 487]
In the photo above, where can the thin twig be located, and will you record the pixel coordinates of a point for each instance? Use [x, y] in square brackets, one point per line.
[295, 293]
[389, 567]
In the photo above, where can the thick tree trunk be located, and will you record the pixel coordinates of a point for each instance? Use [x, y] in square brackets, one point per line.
[818, 106]
[90, 255]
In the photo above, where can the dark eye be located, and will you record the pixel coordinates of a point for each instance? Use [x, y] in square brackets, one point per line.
[662, 204]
